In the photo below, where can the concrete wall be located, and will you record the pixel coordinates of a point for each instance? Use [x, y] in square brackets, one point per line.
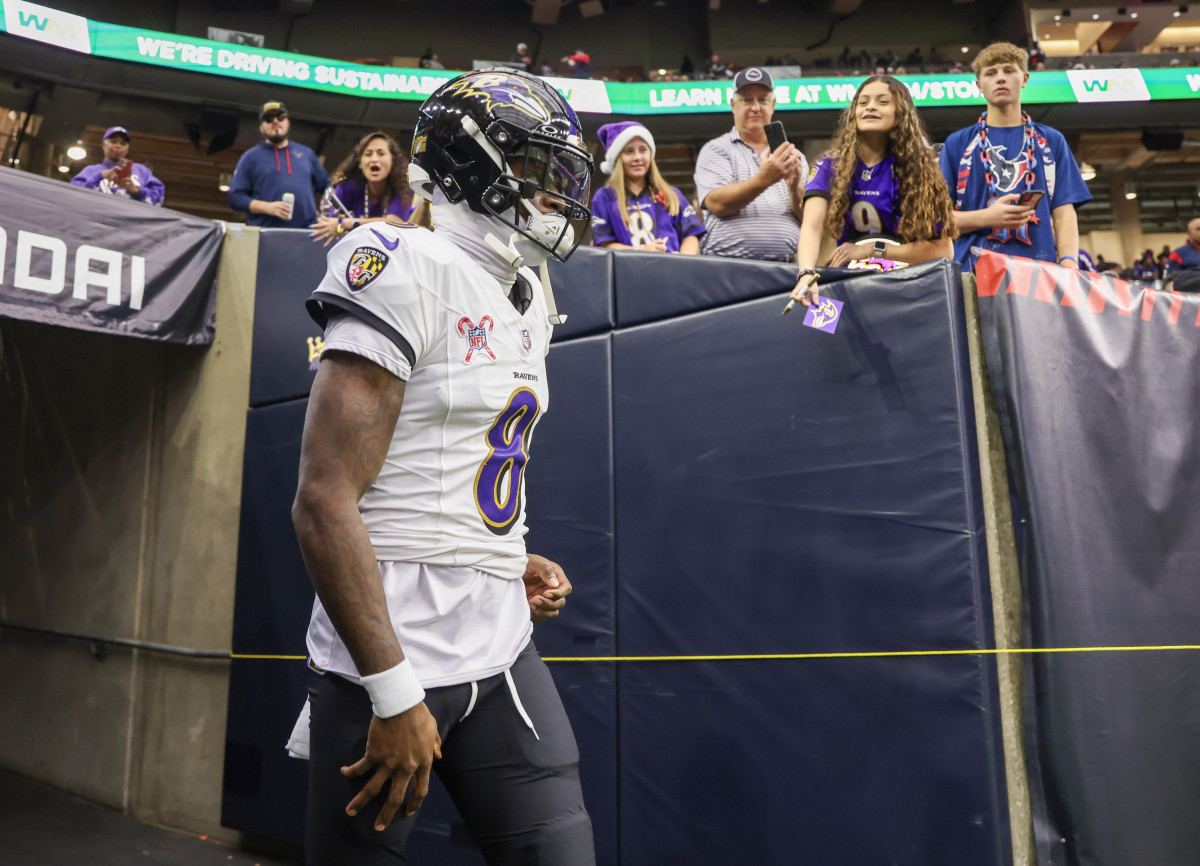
[120, 503]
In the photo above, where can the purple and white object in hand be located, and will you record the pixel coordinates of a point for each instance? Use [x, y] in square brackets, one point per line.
[824, 315]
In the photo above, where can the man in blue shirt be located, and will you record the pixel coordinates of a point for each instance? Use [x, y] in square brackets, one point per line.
[1186, 257]
[990, 165]
[273, 168]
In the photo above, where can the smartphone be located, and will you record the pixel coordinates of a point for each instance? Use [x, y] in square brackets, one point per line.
[124, 169]
[775, 134]
[1030, 198]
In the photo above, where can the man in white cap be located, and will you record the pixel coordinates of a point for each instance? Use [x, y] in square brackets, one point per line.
[522, 57]
[752, 195]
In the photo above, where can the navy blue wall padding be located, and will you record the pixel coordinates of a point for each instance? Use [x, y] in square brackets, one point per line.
[653, 286]
[717, 479]
[273, 591]
[570, 496]
[264, 789]
[783, 490]
[848, 762]
[290, 267]
[583, 289]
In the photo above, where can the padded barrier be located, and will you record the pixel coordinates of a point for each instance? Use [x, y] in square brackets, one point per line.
[783, 490]
[716, 479]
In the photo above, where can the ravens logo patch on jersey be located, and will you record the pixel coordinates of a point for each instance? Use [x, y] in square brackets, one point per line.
[364, 266]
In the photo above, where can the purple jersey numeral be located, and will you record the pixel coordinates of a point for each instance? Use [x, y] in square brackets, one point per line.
[500, 503]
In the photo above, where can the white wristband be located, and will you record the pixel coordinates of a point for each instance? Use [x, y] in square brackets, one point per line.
[393, 691]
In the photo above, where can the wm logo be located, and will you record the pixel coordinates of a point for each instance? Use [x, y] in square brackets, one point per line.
[48, 25]
[1108, 85]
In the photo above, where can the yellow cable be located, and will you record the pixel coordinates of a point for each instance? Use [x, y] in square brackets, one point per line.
[856, 655]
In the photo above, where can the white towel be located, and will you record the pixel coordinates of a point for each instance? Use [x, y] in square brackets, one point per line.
[297, 744]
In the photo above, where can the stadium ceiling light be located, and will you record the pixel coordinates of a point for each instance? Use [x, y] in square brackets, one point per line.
[64, 163]
[77, 151]
[1130, 192]
[1178, 11]
[1087, 171]
[1133, 15]
[224, 181]
[965, 49]
[1058, 18]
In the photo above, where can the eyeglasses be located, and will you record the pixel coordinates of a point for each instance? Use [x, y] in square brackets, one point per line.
[274, 118]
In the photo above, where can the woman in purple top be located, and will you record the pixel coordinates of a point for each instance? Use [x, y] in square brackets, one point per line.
[637, 209]
[371, 183]
[880, 179]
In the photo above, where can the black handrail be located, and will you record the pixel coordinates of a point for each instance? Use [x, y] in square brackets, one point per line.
[99, 643]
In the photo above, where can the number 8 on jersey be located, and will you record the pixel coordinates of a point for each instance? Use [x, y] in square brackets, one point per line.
[498, 481]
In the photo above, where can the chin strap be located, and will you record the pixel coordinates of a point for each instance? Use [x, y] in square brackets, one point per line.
[519, 252]
[555, 318]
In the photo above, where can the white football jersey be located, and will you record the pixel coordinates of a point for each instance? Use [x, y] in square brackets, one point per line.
[451, 491]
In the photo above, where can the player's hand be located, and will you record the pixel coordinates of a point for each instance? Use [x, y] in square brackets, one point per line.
[546, 588]
[325, 229]
[401, 749]
[277, 209]
[1003, 214]
[807, 292]
[847, 253]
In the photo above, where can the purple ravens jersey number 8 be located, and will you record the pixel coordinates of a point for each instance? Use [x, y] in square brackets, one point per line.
[500, 503]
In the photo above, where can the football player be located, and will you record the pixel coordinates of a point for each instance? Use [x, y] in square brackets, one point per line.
[411, 506]
[880, 179]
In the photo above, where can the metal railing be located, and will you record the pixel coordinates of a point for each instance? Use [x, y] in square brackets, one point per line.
[100, 644]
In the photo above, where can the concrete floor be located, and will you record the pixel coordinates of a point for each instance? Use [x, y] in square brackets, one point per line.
[40, 826]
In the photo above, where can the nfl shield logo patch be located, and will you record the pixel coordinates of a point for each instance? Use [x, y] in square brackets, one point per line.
[364, 266]
[477, 337]
[526, 340]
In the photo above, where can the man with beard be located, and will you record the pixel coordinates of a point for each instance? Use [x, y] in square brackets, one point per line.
[271, 170]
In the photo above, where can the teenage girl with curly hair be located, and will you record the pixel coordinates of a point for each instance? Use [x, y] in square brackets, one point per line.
[881, 178]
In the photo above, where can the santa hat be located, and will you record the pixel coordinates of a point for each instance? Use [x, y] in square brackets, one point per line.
[614, 137]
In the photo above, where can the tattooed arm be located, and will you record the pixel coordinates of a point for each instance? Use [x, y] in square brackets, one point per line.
[352, 414]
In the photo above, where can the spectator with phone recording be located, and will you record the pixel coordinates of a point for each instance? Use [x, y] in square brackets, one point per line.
[275, 181]
[751, 191]
[637, 209]
[120, 176]
[879, 183]
[371, 184]
[1015, 183]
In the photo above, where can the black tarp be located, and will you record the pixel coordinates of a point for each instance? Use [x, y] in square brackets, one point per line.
[1097, 385]
[116, 265]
